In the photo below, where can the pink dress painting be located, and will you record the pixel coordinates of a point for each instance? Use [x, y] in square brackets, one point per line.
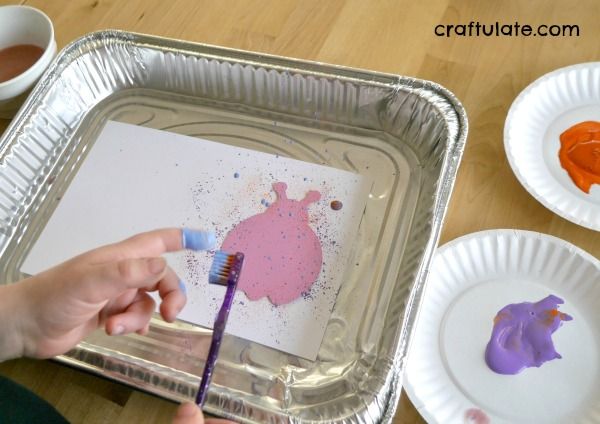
[283, 255]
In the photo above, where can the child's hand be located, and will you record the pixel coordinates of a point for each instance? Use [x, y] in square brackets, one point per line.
[51, 312]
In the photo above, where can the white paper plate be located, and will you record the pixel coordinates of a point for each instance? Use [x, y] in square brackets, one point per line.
[471, 279]
[537, 117]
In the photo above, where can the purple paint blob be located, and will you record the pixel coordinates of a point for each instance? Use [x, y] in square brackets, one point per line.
[283, 255]
[522, 335]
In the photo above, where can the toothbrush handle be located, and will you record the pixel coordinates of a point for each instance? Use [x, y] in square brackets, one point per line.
[215, 344]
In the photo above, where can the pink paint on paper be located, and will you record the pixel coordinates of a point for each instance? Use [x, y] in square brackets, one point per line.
[283, 255]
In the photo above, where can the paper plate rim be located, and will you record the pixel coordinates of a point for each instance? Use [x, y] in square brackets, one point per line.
[419, 402]
[586, 222]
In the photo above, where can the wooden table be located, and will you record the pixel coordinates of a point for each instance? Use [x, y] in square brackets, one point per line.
[394, 36]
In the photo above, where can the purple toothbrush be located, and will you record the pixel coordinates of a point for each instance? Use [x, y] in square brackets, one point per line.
[225, 271]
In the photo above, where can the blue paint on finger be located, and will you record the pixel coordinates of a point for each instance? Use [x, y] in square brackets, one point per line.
[182, 287]
[198, 240]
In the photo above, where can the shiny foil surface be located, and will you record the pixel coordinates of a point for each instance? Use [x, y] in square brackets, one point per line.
[406, 134]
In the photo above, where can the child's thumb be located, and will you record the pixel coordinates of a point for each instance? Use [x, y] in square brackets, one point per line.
[188, 413]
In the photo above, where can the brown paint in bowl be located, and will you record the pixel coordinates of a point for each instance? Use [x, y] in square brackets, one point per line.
[15, 60]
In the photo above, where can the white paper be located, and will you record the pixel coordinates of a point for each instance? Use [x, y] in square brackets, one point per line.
[137, 179]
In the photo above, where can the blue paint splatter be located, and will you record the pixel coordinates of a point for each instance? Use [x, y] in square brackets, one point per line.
[236, 175]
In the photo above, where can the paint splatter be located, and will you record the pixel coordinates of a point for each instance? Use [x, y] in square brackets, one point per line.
[522, 335]
[236, 175]
[336, 205]
[283, 255]
[476, 416]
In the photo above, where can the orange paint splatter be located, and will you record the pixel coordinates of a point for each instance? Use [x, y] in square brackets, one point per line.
[553, 313]
[580, 154]
[500, 317]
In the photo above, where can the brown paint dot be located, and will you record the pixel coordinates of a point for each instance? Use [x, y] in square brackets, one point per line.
[336, 205]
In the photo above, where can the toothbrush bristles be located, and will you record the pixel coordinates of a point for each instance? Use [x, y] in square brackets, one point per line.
[225, 267]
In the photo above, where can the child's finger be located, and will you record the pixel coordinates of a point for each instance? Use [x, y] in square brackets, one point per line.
[108, 280]
[155, 243]
[144, 330]
[135, 318]
[188, 413]
[171, 290]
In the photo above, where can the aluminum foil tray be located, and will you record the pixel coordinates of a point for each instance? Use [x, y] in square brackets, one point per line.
[406, 134]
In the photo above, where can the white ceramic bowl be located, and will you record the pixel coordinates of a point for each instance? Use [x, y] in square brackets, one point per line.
[24, 25]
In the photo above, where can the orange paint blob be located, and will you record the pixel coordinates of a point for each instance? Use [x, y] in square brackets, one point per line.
[580, 154]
